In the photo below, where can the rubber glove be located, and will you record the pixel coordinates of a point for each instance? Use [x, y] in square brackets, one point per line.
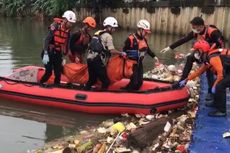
[165, 49]
[77, 60]
[182, 83]
[63, 62]
[123, 54]
[45, 58]
[157, 60]
[213, 90]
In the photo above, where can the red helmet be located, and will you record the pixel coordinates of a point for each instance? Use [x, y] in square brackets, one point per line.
[202, 45]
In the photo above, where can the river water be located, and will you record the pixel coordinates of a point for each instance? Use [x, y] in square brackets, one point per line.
[25, 127]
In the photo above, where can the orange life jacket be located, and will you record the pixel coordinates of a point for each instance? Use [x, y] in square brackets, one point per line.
[220, 51]
[218, 61]
[60, 37]
[137, 44]
[223, 53]
[137, 48]
[207, 33]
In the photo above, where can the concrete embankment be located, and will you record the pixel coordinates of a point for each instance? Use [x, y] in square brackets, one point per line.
[164, 20]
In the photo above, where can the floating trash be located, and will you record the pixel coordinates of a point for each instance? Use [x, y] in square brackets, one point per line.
[226, 135]
[112, 136]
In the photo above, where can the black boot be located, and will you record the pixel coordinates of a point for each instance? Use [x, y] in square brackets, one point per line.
[210, 103]
[87, 88]
[209, 97]
[217, 113]
[44, 85]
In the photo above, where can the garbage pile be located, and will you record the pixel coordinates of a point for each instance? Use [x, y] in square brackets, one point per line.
[158, 133]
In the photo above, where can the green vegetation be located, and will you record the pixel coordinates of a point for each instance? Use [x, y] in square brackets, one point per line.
[49, 7]
[57, 7]
[53, 7]
[28, 7]
[14, 7]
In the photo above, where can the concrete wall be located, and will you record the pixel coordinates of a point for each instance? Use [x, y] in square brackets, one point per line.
[164, 21]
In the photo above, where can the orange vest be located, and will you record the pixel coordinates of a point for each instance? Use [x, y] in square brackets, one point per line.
[60, 37]
[225, 52]
[137, 44]
[220, 51]
[208, 32]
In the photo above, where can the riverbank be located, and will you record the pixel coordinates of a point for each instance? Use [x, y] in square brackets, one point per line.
[162, 132]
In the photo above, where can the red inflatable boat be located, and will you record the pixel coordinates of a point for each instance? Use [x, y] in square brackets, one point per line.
[153, 96]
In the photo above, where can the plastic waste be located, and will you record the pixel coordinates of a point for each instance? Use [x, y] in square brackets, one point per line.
[97, 148]
[167, 127]
[84, 147]
[102, 149]
[181, 148]
[118, 127]
[226, 135]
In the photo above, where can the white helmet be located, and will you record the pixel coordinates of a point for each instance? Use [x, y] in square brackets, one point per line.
[144, 24]
[70, 16]
[110, 21]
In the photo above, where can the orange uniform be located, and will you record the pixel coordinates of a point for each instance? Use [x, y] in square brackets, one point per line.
[216, 65]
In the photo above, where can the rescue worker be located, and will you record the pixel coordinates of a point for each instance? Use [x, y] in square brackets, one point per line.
[136, 47]
[79, 40]
[100, 48]
[56, 43]
[217, 60]
[204, 32]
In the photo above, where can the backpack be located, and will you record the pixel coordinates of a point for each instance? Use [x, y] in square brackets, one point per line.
[96, 44]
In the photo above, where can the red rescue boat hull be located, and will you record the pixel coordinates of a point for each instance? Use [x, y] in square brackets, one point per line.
[153, 96]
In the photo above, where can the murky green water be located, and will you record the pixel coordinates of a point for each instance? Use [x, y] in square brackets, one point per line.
[25, 127]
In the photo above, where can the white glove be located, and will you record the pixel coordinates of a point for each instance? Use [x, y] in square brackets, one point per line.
[165, 50]
[77, 60]
[63, 62]
[45, 58]
[157, 60]
[123, 54]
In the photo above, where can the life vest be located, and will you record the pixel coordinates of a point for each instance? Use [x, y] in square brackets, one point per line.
[223, 53]
[137, 47]
[219, 51]
[60, 36]
[207, 35]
